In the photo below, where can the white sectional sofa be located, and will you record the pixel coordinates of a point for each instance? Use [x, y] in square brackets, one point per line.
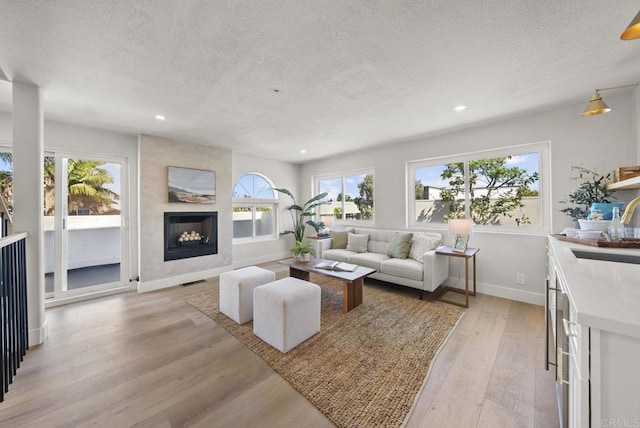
[425, 275]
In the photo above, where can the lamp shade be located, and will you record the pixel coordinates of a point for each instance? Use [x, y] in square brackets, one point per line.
[596, 105]
[460, 226]
[633, 30]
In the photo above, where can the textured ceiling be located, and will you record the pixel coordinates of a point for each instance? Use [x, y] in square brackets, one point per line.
[270, 78]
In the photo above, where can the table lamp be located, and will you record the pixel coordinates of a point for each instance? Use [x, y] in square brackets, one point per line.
[460, 228]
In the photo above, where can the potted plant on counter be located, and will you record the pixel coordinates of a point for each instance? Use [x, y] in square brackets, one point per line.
[591, 200]
[303, 250]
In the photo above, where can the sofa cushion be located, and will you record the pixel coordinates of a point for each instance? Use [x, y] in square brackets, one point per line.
[370, 260]
[420, 244]
[357, 243]
[339, 239]
[375, 246]
[338, 255]
[406, 268]
[399, 245]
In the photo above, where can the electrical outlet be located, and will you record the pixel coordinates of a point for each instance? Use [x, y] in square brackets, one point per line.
[520, 278]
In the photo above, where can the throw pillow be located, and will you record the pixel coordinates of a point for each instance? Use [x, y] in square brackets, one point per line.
[339, 240]
[357, 243]
[399, 245]
[420, 244]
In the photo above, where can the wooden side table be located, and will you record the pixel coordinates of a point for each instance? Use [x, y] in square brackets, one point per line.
[470, 253]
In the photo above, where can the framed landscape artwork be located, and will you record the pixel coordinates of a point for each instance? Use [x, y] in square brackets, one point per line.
[193, 186]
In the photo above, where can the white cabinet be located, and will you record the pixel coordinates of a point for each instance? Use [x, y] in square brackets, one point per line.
[604, 357]
[615, 379]
[578, 370]
[573, 367]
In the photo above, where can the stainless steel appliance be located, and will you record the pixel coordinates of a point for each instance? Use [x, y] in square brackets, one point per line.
[557, 316]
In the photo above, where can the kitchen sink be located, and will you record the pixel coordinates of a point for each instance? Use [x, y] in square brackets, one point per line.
[607, 257]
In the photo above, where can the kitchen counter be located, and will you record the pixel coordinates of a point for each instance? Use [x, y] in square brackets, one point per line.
[606, 294]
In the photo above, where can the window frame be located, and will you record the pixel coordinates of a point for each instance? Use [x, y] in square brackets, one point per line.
[544, 184]
[254, 203]
[342, 175]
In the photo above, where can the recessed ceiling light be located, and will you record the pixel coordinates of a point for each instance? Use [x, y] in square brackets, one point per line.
[303, 151]
[460, 108]
[160, 117]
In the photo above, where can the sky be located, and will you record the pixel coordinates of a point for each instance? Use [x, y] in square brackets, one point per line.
[431, 175]
[197, 181]
[333, 186]
[254, 186]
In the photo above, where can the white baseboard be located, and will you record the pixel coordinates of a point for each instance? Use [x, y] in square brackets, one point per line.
[159, 284]
[258, 260]
[504, 292]
[38, 335]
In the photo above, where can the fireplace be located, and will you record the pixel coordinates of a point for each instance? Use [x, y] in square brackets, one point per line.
[190, 234]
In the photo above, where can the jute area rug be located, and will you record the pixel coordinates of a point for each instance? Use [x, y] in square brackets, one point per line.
[365, 367]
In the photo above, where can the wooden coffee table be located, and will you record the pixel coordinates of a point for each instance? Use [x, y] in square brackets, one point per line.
[352, 281]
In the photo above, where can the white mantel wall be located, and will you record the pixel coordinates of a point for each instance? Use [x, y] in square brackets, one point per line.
[603, 142]
[156, 154]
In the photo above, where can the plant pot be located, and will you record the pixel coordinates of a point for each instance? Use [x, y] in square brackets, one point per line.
[601, 225]
[303, 257]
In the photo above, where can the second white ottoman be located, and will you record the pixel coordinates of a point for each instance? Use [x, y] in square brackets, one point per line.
[236, 291]
[286, 312]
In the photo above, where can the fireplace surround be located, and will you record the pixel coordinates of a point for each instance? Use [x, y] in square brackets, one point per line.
[203, 223]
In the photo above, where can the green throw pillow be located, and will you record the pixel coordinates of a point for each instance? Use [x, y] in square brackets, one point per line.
[339, 239]
[399, 245]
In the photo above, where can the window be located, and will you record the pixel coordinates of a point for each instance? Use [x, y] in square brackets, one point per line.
[6, 182]
[494, 188]
[350, 197]
[254, 208]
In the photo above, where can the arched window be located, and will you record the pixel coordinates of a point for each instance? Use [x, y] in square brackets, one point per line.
[254, 208]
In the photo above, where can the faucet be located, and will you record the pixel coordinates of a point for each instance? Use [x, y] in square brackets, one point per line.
[628, 212]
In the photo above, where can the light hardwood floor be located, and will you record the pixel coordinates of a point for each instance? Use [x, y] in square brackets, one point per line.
[152, 360]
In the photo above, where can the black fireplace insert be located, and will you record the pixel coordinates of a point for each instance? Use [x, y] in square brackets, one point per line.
[190, 234]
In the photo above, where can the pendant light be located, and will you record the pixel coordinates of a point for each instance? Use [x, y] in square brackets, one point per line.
[633, 30]
[596, 105]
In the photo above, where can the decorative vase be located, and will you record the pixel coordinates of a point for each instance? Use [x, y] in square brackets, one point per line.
[605, 209]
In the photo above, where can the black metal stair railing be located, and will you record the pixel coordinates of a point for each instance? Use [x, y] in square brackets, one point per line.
[14, 340]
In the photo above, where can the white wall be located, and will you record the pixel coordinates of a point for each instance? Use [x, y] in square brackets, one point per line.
[94, 240]
[28, 130]
[603, 142]
[156, 154]
[282, 174]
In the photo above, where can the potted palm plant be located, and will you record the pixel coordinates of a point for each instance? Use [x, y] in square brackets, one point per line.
[301, 212]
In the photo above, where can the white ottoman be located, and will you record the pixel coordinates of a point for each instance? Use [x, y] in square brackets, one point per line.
[286, 312]
[236, 291]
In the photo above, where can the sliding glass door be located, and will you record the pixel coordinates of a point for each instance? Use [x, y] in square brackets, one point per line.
[85, 239]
